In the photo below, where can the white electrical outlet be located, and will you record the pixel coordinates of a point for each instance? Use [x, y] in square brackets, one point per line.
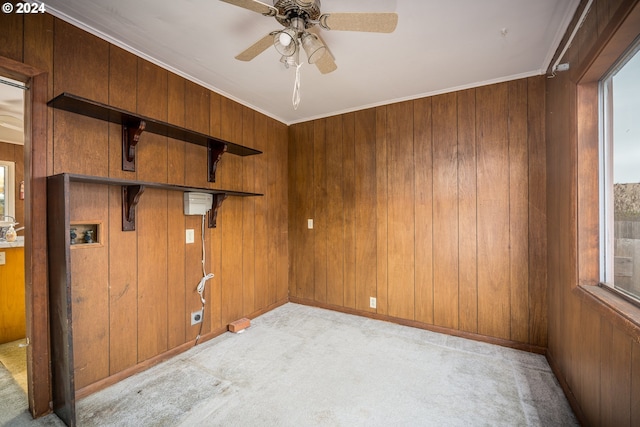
[372, 302]
[191, 237]
[196, 317]
[310, 224]
[3, 258]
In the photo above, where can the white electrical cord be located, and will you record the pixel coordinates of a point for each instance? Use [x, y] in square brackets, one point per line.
[203, 282]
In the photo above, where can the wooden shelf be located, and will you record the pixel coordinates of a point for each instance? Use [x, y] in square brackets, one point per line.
[133, 125]
[90, 179]
[132, 191]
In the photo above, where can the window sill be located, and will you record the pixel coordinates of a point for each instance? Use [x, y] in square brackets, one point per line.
[620, 312]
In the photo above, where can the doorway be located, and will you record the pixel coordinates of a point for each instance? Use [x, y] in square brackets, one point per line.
[35, 221]
[13, 334]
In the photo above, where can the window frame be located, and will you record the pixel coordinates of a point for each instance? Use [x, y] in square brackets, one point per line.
[606, 147]
[612, 44]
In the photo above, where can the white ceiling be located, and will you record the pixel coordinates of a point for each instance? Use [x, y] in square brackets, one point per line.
[439, 46]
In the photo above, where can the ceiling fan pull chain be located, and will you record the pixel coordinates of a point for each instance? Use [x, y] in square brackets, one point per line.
[296, 88]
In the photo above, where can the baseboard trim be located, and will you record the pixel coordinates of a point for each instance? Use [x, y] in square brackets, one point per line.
[573, 402]
[420, 325]
[143, 366]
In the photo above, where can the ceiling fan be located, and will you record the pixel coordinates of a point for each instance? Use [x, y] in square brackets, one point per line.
[300, 18]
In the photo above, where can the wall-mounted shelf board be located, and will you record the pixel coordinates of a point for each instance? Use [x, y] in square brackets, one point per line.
[132, 191]
[133, 125]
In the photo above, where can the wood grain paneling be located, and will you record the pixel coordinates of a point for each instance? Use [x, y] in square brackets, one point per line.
[301, 178]
[151, 273]
[365, 203]
[401, 211]
[90, 291]
[518, 210]
[594, 357]
[615, 390]
[382, 198]
[151, 151]
[176, 115]
[445, 211]
[449, 180]
[151, 226]
[248, 215]
[467, 212]
[281, 203]
[231, 219]
[423, 134]
[12, 36]
[214, 285]
[349, 208]
[262, 267]
[538, 294]
[177, 316]
[123, 80]
[335, 212]
[123, 290]
[493, 211]
[80, 143]
[321, 198]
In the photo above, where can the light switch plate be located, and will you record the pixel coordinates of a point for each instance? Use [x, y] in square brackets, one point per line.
[310, 224]
[190, 236]
[3, 258]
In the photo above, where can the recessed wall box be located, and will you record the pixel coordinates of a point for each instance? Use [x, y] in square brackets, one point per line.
[197, 203]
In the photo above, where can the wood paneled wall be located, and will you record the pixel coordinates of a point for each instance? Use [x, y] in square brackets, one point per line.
[133, 295]
[15, 153]
[436, 207]
[596, 360]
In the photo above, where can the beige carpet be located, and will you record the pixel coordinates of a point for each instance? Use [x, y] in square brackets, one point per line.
[304, 366]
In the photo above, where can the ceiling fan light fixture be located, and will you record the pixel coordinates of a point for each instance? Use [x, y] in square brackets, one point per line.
[314, 48]
[288, 61]
[285, 41]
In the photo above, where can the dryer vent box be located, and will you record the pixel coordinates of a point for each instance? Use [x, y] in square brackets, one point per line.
[197, 203]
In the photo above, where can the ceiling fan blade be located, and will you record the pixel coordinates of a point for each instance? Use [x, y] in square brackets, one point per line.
[326, 64]
[256, 49]
[254, 6]
[367, 22]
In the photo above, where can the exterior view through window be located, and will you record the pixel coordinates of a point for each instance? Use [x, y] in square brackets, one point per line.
[620, 175]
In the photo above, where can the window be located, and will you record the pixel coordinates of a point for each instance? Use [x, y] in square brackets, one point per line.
[7, 186]
[620, 175]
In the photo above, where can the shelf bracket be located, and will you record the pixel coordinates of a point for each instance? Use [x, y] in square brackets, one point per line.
[213, 213]
[131, 132]
[130, 198]
[215, 150]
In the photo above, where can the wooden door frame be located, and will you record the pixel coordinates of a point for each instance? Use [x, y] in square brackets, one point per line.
[36, 280]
